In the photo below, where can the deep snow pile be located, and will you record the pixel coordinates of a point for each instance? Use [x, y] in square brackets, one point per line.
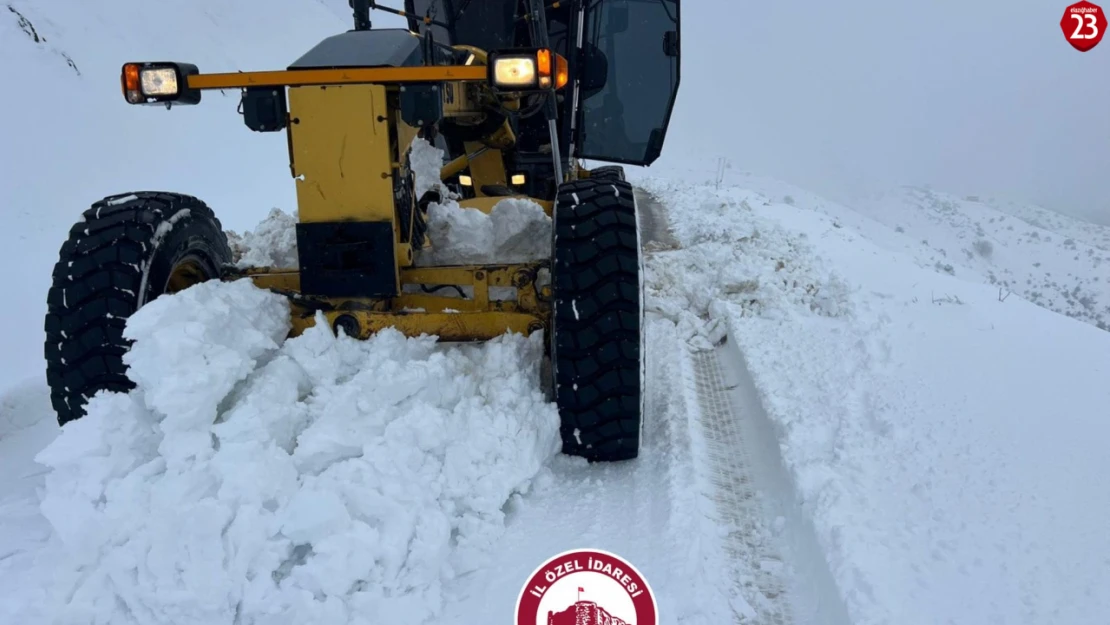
[945, 447]
[250, 481]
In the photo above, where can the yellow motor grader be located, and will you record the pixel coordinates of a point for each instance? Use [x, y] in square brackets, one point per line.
[517, 94]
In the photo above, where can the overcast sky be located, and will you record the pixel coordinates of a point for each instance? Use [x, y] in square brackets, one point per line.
[846, 97]
[973, 97]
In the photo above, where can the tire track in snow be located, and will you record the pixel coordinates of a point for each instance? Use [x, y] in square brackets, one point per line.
[739, 506]
[653, 222]
[810, 593]
[755, 563]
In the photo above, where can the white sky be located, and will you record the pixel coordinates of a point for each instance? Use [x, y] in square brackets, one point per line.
[971, 97]
[847, 97]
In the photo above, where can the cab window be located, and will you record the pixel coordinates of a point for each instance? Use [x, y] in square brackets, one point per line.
[626, 119]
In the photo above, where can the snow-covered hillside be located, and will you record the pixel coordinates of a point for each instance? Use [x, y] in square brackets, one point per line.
[1052, 260]
[69, 138]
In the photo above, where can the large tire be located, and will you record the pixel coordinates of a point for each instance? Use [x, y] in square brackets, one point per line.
[597, 339]
[121, 255]
[608, 172]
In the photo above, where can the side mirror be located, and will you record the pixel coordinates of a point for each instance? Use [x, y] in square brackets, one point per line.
[670, 43]
[595, 70]
[618, 18]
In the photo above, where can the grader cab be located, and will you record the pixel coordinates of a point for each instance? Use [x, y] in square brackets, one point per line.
[516, 93]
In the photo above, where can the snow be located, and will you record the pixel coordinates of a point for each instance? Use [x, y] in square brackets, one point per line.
[945, 446]
[272, 243]
[23, 432]
[653, 512]
[1051, 259]
[427, 162]
[76, 140]
[1061, 264]
[122, 200]
[883, 442]
[516, 230]
[319, 479]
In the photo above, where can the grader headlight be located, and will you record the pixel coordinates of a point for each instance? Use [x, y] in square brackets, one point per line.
[514, 72]
[527, 70]
[159, 83]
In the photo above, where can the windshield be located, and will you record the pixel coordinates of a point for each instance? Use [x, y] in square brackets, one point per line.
[489, 25]
[626, 120]
[486, 24]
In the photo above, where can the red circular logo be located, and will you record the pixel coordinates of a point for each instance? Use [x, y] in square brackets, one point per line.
[1083, 24]
[586, 587]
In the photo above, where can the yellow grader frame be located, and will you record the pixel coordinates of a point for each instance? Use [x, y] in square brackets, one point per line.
[352, 108]
[330, 138]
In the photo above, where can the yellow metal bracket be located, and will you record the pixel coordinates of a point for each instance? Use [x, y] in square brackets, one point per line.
[348, 76]
[476, 317]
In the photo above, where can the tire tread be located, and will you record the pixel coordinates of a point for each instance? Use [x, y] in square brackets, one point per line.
[597, 323]
[95, 288]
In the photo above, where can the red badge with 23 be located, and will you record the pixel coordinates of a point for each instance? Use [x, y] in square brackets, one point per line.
[586, 587]
[1083, 24]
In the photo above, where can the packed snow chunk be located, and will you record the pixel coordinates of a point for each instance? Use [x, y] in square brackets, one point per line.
[459, 235]
[312, 514]
[321, 480]
[272, 244]
[517, 230]
[426, 162]
[521, 230]
[192, 349]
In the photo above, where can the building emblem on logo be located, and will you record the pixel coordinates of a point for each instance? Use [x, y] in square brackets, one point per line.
[586, 587]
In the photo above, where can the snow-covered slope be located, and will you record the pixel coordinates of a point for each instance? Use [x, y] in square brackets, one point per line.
[1050, 259]
[69, 138]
